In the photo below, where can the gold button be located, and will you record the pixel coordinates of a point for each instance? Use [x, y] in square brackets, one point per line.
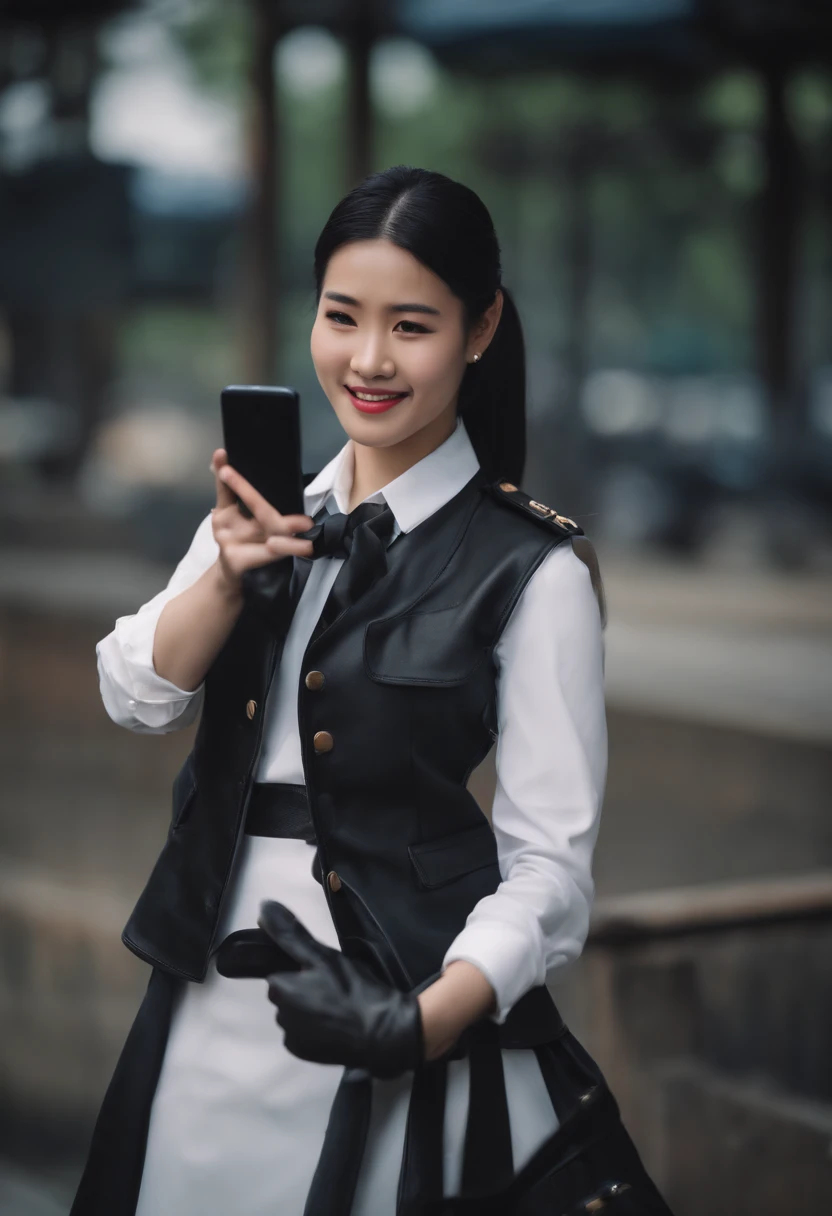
[323, 741]
[334, 881]
[507, 487]
[251, 709]
[314, 680]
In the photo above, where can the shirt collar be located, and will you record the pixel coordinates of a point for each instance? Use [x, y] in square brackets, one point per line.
[414, 495]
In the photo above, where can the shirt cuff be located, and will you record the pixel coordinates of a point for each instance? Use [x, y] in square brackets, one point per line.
[152, 689]
[126, 709]
[136, 697]
[505, 956]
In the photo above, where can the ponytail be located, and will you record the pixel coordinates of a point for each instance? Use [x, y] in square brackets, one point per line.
[492, 399]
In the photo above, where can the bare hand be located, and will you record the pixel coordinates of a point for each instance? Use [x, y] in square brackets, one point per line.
[247, 543]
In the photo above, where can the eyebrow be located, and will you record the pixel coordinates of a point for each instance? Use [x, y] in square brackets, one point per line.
[338, 298]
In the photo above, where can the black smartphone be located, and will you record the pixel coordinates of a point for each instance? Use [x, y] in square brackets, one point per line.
[261, 434]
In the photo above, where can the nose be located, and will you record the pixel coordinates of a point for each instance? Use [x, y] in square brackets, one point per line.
[371, 359]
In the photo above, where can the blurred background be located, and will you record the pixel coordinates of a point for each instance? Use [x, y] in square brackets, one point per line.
[660, 174]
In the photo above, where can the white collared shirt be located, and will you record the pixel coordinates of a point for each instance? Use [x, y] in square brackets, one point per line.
[551, 746]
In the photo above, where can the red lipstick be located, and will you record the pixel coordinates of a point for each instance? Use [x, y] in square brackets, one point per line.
[385, 399]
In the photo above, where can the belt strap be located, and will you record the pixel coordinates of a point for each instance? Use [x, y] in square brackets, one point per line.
[281, 811]
[487, 1163]
[336, 1176]
[421, 1178]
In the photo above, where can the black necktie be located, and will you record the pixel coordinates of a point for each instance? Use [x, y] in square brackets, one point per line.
[362, 538]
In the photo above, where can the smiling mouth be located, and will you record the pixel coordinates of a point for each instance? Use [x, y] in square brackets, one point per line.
[373, 402]
[372, 396]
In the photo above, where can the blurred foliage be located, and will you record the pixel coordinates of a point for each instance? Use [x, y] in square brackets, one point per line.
[215, 35]
[733, 100]
[178, 345]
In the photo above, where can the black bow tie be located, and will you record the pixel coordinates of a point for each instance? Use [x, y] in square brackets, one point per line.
[362, 538]
[332, 534]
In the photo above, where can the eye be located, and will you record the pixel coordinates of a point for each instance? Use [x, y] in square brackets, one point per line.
[340, 318]
[414, 328]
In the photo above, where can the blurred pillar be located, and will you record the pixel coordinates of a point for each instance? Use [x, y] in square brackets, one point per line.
[777, 260]
[260, 268]
[362, 29]
[576, 166]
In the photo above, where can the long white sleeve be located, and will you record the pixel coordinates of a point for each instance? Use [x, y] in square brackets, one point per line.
[134, 694]
[551, 766]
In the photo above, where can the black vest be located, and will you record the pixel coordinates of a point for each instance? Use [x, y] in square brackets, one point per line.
[409, 698]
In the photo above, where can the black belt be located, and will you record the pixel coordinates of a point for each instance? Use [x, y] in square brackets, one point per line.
[281, 811]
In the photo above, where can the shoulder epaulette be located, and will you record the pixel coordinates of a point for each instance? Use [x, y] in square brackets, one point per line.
[509, 494]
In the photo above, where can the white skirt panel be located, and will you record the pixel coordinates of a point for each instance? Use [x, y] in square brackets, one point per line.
[238, 1122]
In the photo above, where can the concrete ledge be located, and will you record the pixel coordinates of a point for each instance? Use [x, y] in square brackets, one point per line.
[711, 908]
[39, 895]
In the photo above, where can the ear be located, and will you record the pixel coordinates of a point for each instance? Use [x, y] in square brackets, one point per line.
[484, 328]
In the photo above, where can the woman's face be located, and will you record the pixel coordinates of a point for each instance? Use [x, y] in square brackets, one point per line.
[389, 329]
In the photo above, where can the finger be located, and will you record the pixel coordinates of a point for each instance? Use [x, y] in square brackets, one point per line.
[263, 511]
[305, 1033]
[315, 1052]
[268, 517]
[242, 556]
[295, 523]
[284, 928]
[225, 497]
[281, 545]
[239, 530]
[281, 994]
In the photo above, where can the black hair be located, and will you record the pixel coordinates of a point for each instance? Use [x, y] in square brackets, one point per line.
[447, 227]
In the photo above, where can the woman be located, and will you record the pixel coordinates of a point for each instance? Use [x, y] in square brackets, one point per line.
[429, 608]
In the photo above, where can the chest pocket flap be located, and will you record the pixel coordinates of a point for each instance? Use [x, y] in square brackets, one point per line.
[438, 647]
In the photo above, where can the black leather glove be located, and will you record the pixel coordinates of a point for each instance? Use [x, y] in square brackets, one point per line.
[333, 1010]
[251, 954]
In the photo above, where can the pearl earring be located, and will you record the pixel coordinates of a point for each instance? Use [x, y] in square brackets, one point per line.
[476, 358]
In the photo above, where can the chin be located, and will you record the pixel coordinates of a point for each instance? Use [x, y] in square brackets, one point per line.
[375, 430]
[370, 435]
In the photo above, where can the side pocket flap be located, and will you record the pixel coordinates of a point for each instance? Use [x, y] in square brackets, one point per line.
[440, 861]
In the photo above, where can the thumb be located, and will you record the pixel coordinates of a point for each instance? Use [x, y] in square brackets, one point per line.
[284, 928]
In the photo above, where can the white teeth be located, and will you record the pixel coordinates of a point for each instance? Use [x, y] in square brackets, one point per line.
[375, 397]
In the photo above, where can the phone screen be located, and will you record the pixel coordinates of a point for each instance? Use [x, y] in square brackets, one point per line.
[261, 434]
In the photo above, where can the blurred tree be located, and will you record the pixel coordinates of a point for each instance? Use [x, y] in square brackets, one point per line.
[213, 35]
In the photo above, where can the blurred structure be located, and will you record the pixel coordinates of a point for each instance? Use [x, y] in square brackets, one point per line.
[775, 444]
[671, 46]
[659, 175]
[63, 229]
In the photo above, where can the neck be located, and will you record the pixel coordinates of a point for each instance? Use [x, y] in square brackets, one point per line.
[375, 467]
